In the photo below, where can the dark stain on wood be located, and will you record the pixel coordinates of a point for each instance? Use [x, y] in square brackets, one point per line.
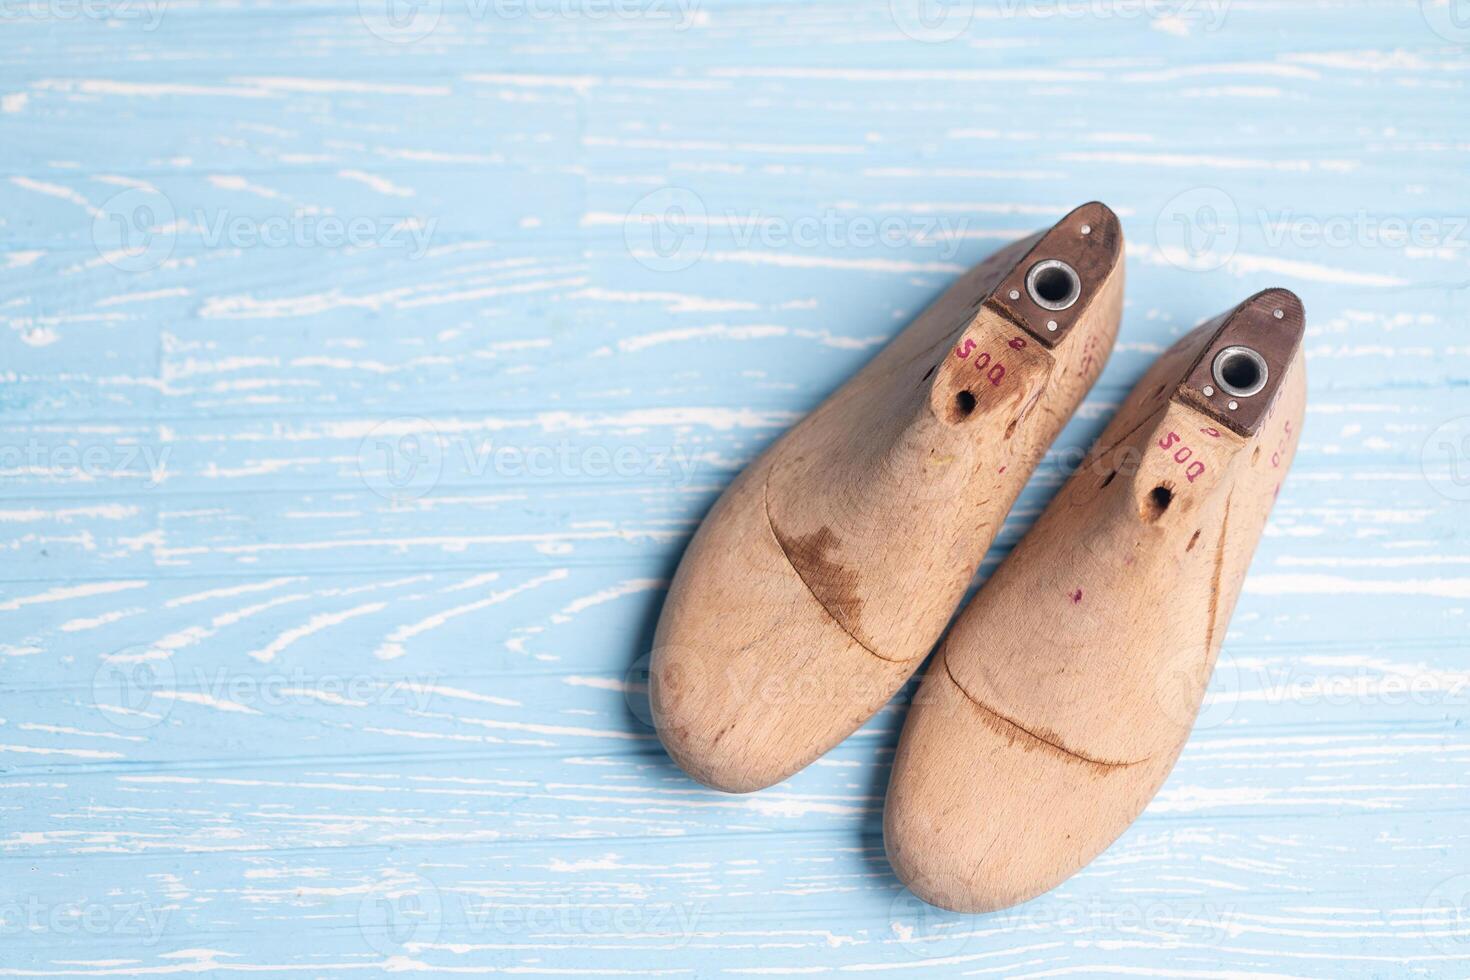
[814, 556]
[1031, 738]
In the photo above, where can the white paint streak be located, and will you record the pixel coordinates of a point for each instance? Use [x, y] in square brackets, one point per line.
[316, 624]
[64, 593]
[392, 646]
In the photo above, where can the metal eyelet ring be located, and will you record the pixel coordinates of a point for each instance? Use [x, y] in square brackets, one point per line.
[1239, 371]
[1053, 284]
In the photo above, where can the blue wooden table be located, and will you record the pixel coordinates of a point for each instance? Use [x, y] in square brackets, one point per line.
[365, 371]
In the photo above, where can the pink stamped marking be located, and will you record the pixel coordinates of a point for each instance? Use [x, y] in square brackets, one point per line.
[991, 366]
[1182, 455]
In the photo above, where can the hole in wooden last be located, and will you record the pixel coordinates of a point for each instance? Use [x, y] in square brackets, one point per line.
[964, 404]
[1158, 501]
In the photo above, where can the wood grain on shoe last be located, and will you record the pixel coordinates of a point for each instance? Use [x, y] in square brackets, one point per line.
[1062, 696]
[825, 572]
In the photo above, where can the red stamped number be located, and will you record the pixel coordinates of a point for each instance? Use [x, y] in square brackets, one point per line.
[1184, 455]
[986, 363]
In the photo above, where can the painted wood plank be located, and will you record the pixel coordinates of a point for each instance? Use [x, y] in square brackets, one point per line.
[326, 585]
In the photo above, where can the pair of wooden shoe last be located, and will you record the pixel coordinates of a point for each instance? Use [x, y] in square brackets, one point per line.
[1064, 691]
